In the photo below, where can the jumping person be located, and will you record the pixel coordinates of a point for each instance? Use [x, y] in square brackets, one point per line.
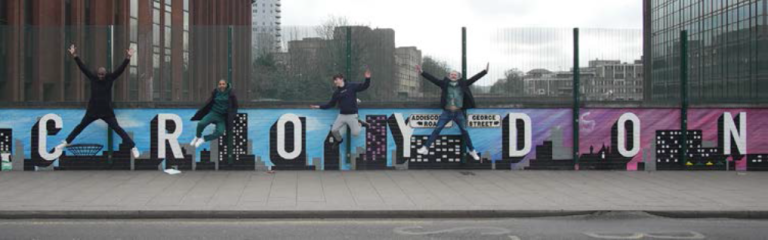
[455, 98]
[220, 109]
[346, 96]
[100, 104]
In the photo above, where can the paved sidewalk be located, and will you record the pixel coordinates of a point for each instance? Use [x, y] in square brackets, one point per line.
[380, 194]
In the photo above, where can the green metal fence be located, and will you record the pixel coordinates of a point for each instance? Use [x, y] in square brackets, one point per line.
[528, 67]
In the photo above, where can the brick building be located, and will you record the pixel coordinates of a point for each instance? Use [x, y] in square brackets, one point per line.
[182, 47]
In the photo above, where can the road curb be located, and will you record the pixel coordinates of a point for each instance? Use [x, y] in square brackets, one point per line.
[360, 214]
[711, 214]
[353, 214]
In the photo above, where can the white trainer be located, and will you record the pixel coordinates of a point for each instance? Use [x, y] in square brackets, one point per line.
[135, 152]
[199, 142]
[62, 145]
[474, 155]
[423, 151]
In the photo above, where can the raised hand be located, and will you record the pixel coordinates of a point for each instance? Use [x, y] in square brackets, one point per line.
[130, 52]
[367, 73]
[418, 69]
[72, 49]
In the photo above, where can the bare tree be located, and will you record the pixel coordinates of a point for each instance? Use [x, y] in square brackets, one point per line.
[511, 84]
[436, 67]
[327, 29]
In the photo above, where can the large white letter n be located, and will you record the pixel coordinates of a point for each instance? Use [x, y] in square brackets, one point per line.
[731, 132]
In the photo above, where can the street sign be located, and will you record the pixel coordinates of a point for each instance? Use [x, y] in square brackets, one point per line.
[484, 121]
[425, 121]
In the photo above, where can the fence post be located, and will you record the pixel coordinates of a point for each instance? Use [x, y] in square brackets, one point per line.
[229, 137]
[110, 135]
[348, 69]
[576, 104]
[684, 97]
[464, 75]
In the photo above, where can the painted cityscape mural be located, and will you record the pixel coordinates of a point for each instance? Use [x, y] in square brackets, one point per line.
[300, 139]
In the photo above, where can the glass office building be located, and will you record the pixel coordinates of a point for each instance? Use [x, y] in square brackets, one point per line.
[727, 49]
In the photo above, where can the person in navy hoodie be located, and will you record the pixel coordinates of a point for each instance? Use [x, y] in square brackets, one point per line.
[455, 99]
[346, 97]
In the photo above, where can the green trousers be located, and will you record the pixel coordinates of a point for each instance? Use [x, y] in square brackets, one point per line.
[212, 118]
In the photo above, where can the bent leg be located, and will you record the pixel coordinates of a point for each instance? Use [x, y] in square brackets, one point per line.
[80, 127]
[112, 123]
[354, 124]
[221, 128]
[460, 120]
[207, 120]
[337, 126]
[445, 117]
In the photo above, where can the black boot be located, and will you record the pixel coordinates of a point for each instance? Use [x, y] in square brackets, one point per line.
[364, 123]
[336, 143]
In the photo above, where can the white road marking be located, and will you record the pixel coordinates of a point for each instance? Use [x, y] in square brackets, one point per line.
[660, 235]
[483, 230]
[615, 235]
[676, 235]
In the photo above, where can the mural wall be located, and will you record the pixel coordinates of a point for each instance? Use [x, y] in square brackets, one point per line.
[299, 139]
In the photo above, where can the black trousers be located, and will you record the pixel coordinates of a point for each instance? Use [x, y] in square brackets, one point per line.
[111, 122]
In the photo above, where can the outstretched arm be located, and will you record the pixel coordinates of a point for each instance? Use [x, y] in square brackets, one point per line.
[428, 76]
[479, 75]
[367, 83]
[330, 104]
[119, 71]
[73, 52]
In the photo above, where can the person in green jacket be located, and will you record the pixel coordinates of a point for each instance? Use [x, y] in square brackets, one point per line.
[455, 99]
[220, 110]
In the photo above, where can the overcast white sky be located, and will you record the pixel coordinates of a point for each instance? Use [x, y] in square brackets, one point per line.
[520, 34]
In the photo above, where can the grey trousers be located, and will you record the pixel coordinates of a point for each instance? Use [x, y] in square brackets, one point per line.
[345, 120]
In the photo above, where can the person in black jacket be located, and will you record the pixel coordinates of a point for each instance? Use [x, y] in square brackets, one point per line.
[220, 109]
[346, 97]
[100, 104]
[455, 98]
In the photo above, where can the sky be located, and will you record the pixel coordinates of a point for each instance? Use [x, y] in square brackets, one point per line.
[520, 34]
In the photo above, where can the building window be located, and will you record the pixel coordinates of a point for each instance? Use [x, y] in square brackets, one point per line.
[185, 86]
[3, 51]
[167, 31]
[134, 8]
[156, 76]
[68, 38]
[156, 34]
[3, 12]
[133, 71]
[761, 5]
[28, 51]
[167, 63]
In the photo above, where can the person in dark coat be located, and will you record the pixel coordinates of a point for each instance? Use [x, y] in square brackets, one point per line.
[220, 109]
[346, 97]
[455, 98]
[100, 103]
